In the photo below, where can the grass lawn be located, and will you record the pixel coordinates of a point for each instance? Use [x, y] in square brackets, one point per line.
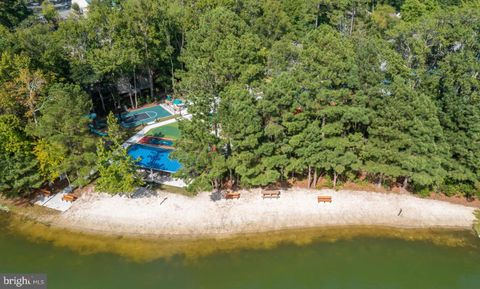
[169, 131]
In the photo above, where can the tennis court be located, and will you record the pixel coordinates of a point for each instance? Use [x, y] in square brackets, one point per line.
[155, 158]
[167, 131]
[142, 116]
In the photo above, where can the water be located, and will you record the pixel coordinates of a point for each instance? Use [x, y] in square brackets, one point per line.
[154, 158]
[354, 262]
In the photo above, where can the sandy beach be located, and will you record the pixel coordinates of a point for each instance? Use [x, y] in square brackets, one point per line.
[177, 215]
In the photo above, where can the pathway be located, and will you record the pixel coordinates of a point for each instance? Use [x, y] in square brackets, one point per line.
[56, 201]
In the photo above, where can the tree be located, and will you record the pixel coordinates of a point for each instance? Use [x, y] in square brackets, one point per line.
[41, 44]
[116, 168]
[18, 165]
[281, 119]
[21, 88]
[63, 125]
[221, 52]
[203, 162]
[241, 137]
[76, 39]
[107, 53]
[328, 76]
[442, 50]
[11, 65]
[384, 16]
[146, 29]
[413, 10]
[404, 141]
[50, 157]
[49, 12]
[460, 118]
[12, 12]
[76, 8]
[277, 89]
[273, 22]
[116, 133]
[405, 138]
[28, 86]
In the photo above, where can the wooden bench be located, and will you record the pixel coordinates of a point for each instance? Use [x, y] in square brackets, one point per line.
[324, 199]
[45, 192]
[271, 194]
[232, 196]
[69, 198]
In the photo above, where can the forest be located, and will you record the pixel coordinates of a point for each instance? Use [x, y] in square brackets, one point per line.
[384, 92]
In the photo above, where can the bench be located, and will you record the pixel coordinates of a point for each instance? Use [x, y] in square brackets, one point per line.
[45, 192]
[69, 197]
[271, 194]
[324, 199]
[232, 196]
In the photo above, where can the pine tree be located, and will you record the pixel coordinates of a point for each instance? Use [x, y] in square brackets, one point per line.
[405, 138]
[328, 75]
[64, 124]
[116, 168]
[18, 165]
[12, 12]
[221, 52]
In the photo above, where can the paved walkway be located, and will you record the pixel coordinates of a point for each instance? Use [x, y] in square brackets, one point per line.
[56, 201]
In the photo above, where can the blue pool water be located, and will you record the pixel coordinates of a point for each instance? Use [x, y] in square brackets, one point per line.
[154, 158]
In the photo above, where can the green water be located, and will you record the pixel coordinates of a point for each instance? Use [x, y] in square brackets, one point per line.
[359, 262]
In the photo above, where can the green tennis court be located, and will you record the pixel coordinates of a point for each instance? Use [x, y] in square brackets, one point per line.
[142, 116]
[167, 131]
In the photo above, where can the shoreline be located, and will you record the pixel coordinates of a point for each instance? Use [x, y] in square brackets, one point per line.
[148, 248]
[173, 216]
[39, 224]
[226, 236]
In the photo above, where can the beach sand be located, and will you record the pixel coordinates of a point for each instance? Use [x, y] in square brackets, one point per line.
[168, 214]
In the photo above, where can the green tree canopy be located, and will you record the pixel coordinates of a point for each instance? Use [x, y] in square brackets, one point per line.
[12, 12]
[117, 171]
[18, 166]
[64, 123]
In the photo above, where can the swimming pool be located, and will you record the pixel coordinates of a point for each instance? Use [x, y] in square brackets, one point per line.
[144, 115]
[155, 158]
